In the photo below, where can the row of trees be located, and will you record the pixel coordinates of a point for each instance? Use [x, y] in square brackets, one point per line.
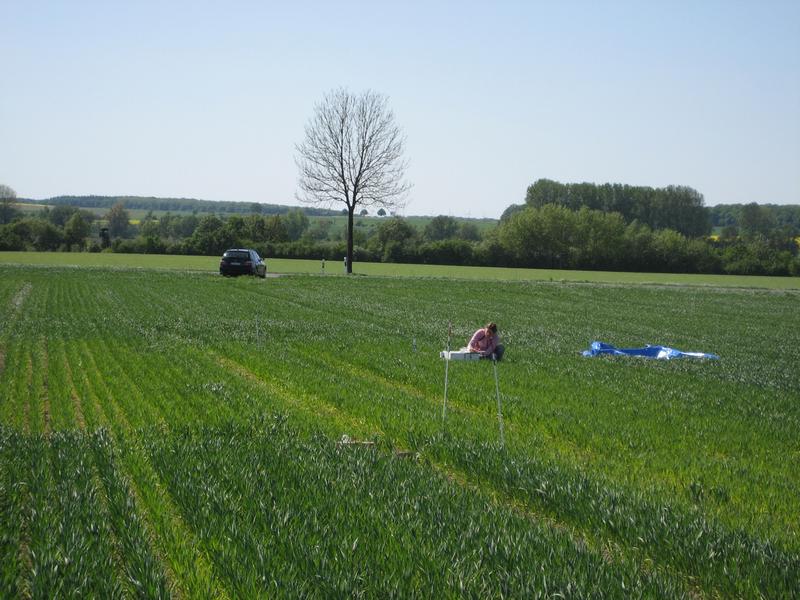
[59, 228]
[43, 235]
[674, 207]
[550, 236]
[292, 235]
[748, 220]
[65, 227]
[554, 236]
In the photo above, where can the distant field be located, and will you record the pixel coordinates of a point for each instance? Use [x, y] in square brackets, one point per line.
[29, 209]
[136, 215]
[280, 265]
[337, 222]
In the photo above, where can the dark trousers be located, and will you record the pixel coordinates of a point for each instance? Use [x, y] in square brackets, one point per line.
[498, 352]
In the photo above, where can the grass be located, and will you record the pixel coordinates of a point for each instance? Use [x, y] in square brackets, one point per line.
[183, 433]
[286, 266]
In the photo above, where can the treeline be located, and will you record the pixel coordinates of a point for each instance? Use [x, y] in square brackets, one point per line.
[756, 219]
[177, 205]
[547, 236]
[444, 240]
[678, 208]
[553, 236]
[674, 207]
[62, 228]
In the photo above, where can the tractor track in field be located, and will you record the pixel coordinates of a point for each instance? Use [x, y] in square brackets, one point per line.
[76, 404]
[19, 298]
[306, 402]
[74, 397]
[14, 307]
[128, 483]
[172, 522]
[612, 551]
[407, 389]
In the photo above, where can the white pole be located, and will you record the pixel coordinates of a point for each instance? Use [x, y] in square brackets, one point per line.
[444, 404]
[499, 411]
[446, 369]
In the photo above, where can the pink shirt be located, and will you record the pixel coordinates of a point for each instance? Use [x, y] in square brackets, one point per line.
[482, 343]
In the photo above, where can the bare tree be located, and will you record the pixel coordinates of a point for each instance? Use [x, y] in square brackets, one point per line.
[353, 154]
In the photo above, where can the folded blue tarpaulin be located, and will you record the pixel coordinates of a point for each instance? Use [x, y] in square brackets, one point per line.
[659, 352]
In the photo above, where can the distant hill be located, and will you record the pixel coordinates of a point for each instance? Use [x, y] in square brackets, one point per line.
[178, 205]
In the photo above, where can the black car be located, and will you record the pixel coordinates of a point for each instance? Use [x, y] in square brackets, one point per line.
[242, 261]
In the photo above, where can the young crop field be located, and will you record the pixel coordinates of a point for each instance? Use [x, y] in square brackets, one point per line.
[173, 433]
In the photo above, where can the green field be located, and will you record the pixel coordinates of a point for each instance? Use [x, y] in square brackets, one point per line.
[289, 266]
[166, 432]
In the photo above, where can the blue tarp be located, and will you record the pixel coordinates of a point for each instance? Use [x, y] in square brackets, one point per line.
[659, 352]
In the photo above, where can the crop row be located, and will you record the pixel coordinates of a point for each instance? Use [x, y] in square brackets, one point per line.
[280, 514]
[716, 558]
[69, 523]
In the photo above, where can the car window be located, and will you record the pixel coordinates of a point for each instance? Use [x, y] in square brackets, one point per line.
[237, 254]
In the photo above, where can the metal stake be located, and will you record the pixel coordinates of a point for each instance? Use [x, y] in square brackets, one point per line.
[446, 369]
[499, 411]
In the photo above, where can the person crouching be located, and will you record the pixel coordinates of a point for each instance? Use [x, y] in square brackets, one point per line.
[486, 342]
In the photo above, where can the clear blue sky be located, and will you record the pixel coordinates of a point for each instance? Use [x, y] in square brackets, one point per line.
[208, 99]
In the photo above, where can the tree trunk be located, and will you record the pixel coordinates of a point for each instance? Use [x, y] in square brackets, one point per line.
[350, 210]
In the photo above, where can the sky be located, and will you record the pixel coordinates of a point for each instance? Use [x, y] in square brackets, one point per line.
[208, 100]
